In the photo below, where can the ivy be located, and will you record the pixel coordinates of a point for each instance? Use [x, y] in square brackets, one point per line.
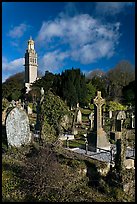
[113, 106]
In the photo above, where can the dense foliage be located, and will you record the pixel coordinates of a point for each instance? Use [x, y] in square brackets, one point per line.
[52, 111]
[129, 93]
[5, 104]
[113, 106]
[118, 77]
[71, 85]
[74, 88]
[11, 88]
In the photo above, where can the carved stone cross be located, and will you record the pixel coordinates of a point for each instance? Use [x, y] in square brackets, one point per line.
[98, 101]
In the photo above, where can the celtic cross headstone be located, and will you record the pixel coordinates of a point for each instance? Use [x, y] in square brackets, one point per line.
[99, 137]
[98, 101]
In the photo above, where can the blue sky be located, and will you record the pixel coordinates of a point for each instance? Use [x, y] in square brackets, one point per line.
[85, 35]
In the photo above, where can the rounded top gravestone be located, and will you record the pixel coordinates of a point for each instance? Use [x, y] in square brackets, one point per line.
[121, 115]
[17, 127]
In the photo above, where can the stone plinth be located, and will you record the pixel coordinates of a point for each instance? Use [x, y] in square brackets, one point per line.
[129, 163]
[115, 135]
[99, 140]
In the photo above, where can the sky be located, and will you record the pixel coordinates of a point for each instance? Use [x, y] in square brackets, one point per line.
[85, 35]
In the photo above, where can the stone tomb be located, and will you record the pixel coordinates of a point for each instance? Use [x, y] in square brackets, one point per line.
[17, 128]
[66, 137]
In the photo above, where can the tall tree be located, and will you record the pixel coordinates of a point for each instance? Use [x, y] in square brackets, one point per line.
[118, 77]
[11, 88]
[129, 93]
[91, 91]
[73, 86]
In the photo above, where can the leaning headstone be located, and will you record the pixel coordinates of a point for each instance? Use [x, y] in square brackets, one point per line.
[17, 128]
[99, 138]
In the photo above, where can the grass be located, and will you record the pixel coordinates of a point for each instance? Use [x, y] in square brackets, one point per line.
[75, 143]
[13, 186]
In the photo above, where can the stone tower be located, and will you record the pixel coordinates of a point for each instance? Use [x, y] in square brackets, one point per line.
[31, 65]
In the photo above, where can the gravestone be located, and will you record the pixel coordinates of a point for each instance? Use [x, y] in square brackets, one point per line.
[17, 128]
[3, 117]
[121, 116]
[77, 105]
[132, 121]
[91, 118]
[29, 110]
[99, 137]
[64, 121]
[79, 117]
[110, 114]
[13, 103]
[74, 131]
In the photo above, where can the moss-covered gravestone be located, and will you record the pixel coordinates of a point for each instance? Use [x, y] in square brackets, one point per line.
[17, 127]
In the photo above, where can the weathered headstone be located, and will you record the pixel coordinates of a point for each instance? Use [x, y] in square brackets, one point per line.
[132, 121]
[4, 116]
[74, 131]
[91, 118]
[64, 121]
[17, 128]
[29, 110]
[99, 136]
[110, 114]
[79, 117]
[13, 103]
[121, 116]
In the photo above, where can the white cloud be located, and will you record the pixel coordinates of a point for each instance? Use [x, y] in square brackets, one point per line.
[12, 65]
[85, 38]
[52, 61]
[111, 8]
[14, 44]
[18, 31]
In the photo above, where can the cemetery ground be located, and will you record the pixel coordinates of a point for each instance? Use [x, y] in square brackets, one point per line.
[30, 174]
[49, 172]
